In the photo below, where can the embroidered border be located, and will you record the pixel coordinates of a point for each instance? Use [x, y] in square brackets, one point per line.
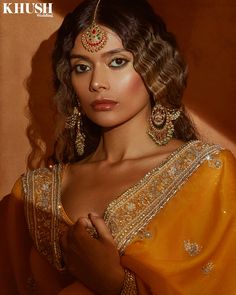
[126, 216]
[57, 230]
[42, 194]
[134, 209]
[37, 185]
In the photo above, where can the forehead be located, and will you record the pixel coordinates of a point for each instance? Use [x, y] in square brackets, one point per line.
[113, 42]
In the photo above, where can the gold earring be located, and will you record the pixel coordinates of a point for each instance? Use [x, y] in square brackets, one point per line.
[161, 127]
[70, 123]
[80, 137]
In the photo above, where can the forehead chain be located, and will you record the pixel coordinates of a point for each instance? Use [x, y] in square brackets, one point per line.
[94, 38]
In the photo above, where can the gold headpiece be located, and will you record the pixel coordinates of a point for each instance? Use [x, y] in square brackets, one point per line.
[94, 38]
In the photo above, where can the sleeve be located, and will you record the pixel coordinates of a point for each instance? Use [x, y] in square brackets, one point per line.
[15, 243]
[193, 239]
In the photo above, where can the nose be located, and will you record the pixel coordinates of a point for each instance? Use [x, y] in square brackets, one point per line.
[99, 81]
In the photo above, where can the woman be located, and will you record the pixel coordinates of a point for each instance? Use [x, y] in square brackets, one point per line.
[135, 204]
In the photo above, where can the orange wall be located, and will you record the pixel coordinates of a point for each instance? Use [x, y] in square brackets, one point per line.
[205, 29]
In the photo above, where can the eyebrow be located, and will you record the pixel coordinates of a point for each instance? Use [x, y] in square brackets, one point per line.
[114, 51]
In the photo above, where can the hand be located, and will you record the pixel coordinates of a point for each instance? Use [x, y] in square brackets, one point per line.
[94, 262]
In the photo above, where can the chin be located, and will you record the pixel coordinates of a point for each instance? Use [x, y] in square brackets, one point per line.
[106, 119]
[107, 123]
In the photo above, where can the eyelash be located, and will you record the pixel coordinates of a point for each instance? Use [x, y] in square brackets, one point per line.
[119, 58]
[124, 60]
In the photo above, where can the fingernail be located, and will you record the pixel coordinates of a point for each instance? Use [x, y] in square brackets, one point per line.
[84, 221]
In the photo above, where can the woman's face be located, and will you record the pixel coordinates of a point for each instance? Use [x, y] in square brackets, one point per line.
[109, 90]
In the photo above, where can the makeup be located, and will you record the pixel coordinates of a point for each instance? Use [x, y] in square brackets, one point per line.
[103, 105]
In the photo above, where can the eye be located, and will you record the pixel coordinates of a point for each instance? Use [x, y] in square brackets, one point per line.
[118, 62]
[81, 68]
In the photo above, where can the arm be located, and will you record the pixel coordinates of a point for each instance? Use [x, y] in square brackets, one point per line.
[93, 260]
[192, 241]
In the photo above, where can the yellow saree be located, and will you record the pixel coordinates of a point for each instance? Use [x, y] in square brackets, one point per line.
[175, 229]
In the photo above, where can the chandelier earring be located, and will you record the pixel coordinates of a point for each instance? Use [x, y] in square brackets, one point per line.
[161, 127]
[75, 121]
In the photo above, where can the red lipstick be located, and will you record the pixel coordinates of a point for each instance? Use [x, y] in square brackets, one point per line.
[103, 104]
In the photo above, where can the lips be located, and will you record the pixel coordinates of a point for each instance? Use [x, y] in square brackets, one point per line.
[103, 104]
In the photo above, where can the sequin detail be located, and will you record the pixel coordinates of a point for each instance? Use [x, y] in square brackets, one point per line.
[206, 269]
[214, 162]
[145, 234]
[192, 248]
[153, 192]
[129, 286]
[43, 212]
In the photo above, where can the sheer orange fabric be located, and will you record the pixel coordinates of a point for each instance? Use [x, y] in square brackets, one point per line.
[192, 248]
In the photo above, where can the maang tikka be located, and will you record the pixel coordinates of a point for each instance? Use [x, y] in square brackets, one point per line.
[161, 127]
[94, 38]
[70, 123]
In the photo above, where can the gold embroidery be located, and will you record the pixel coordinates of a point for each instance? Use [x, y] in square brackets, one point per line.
[214, 162]
[144, 234]
[153, 192]
[126, 216]
[206, 269]
[43, 212]
[192, 248]
[129, 285]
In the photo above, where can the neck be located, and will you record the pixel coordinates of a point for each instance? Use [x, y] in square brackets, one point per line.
[126, 141]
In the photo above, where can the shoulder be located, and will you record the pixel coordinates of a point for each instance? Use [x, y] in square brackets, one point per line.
[205, 162]
[41, 180]
[215, 155]
[226, 163]
[37, 180]
[17, 189]
[227, 157]
[214, 164]
[212, 153]
[39, 172]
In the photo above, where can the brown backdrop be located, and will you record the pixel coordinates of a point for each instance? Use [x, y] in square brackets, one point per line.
[205, 29]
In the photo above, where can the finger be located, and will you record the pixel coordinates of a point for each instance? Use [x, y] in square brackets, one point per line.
[80, 229]
[102, 229]
[83, 222]
[90, 229]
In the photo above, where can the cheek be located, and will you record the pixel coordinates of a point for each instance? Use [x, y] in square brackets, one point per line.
[78, 87]
[133, 85]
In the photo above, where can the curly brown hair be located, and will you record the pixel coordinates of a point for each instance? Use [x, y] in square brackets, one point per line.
[156, 58]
